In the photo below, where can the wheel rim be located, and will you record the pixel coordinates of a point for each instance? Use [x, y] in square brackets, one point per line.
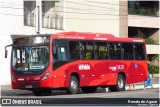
[74, 85]
[120, 83]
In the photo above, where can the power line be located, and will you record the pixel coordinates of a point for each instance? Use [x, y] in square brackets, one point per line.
[89, 13]
[94, 5]
[65, 1]
[85, 9]
[64, 7]
[10, 14]
[12, 7]
[105, 3]
[93, 13]
[73, 18]
[86, 13]
[18, 3]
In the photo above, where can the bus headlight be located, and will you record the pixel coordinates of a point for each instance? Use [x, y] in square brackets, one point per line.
[46, 76]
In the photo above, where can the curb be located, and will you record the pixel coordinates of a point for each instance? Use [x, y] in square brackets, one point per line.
[137, 87]
[142, 86]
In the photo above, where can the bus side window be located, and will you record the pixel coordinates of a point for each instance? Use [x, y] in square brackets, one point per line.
[74, 50]
[101, 50]
[127, 51]
[112, 54]
[82, 50]
[139, 52]
[118, 50]
[89, 51]
[62, 53]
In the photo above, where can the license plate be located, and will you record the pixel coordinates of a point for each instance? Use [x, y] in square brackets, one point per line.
[28, 86]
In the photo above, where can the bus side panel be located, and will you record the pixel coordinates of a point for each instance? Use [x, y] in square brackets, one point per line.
[141, 71]
[59, 78]
[105, 75]
[136, 72]
[130, 72]
[98, 74]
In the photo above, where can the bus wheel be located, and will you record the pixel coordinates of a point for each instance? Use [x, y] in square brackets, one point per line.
[89, 89]
[73, 86]
[120, 85]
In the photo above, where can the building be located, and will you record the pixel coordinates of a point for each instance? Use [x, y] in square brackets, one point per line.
[120, 17]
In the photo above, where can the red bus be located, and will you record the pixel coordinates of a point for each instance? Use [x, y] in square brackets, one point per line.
[77, 61]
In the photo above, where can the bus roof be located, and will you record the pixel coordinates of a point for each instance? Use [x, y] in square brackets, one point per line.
[35, 35]
[86, 36]
[94, 36]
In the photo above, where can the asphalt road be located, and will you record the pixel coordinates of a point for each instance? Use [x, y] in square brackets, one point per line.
[139, 97]
[101, 93]
[100, 98]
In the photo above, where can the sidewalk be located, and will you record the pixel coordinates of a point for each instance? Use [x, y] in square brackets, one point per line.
[155, 83]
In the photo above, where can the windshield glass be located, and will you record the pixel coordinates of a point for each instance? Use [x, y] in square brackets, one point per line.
[30, 58]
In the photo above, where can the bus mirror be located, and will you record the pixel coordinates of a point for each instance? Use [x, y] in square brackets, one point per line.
[6, 53]
[54, 49]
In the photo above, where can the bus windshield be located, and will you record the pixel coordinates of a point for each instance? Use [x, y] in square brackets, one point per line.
[30, 58]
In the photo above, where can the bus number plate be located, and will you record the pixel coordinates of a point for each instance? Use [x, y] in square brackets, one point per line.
[28, 86]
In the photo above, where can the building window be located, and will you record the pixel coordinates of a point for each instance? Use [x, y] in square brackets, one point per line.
[145, 8]
[29, 13]
[52, 15]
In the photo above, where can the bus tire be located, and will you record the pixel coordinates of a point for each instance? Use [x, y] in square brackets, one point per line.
[73, 85]
[89, 89]
[120, 85]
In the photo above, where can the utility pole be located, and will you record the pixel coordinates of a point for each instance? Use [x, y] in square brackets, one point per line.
[38, 21]
[38, 16]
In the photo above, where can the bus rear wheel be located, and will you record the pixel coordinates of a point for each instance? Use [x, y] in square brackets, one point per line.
[120, 85]
[89, 89]
[73, 85]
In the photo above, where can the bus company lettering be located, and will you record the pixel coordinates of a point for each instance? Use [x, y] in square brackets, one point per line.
[114, 68]
[98, 38]
[84, 67]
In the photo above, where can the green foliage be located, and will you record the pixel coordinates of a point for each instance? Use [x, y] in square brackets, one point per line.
[148, 40]
[151, 41]
[142, 11]
[153, 68]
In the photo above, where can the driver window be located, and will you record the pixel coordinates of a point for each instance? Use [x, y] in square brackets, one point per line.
[60, 54]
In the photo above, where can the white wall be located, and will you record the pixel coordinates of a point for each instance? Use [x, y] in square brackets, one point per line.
[100, 17]
[143, 21]
[153, 49]
[11, 23]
